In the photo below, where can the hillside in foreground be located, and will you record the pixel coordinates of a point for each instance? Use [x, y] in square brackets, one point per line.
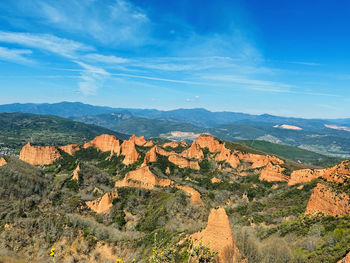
[211, 201]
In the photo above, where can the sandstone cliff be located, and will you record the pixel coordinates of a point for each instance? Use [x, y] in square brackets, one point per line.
[105, 143]
[71, 148]
[149, 144]
[210, 142]
[2, 161]
[194, 152]
[273, 173]
[183, 162]
[103, 204]
[142, 178]
[217, 236]
[128, 149]
[228, 156]
[338, 173]
[258, 160]
[346, 259]
[38, 155]
[151, 156]
[139, 141]
[76, 173]
[325, 200]
[195, 196]
[170, 144]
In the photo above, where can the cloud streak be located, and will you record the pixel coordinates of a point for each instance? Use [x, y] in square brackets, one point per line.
[15, 55]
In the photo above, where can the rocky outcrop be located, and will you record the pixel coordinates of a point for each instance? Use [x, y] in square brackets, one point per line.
[273, 173]
[194, 152]
[338, 173]
[103, 204]
[217, 236]
[326, 201]
[71, 148]
[148, 144]
[163, 152]
[195, 196]
[105, 143]
[151, 156]
[346, 259]
[128, 149]
[2, 161]
[170, 144]
[226, 155]
[183, 143]
[38, 155]
[139, 141]
[142, 178]
[183, 162]
[258, 160]
[215, 180]
[205, 140]
[76, 173]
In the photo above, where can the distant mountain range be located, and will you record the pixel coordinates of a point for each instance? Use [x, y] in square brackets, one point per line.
[324, 136]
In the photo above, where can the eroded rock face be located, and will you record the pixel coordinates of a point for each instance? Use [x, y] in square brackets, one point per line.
[183, 162]
[171, 144]
[273, 173]
[38, 155]
[346, 259]
[210, 142]
[142, 178]
[103, 204]
[71, 148]
[195, 196]
[194, 152]
[325, 200]
[258, 160]
[105, 143]
[215, 180]
[230, 157]
[2, 161]
[128, 149]
[338, 173]
[217, 236]
[139, 141]
[151, 156]
[149, 144]
[76, 173]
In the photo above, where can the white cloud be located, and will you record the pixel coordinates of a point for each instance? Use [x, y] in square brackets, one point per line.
[105, 59]
[15, 55]
[92, 78]
[60, 46]
[116, 22]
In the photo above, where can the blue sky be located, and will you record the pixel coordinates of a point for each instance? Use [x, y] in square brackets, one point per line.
[289, 58]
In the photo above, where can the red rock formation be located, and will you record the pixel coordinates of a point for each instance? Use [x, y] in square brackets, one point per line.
[195, 196]
[142, 178]
[215, 180]
[183, 143]
[148, 144]
[324, 200]
[37, 155]
[338, 173]
[105, 143]
[151, 156]
[205, 140]
[71, 148]
[194, 152]
[273, 173]
[346, 259]
[103, 204]
[258, 160]
[170, 144]
[227, 156]
[2, 161]
[183, 162]
[76, 173]
[217, 236]
[139, 141]
[167, 171]
[128, 149]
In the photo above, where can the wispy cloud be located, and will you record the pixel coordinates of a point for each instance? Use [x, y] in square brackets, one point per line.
[113, 22]
[105, 59]
[305, 63]
[92, 78]
[61, 46]
[15, 55]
